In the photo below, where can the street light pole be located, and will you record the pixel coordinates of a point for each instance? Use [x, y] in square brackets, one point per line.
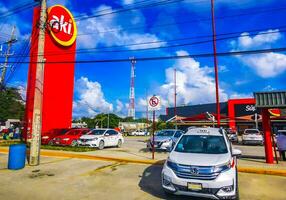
[215, 64]
[35, 142]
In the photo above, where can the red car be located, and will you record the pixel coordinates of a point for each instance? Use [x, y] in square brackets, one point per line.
[47, 138]
[70, 138]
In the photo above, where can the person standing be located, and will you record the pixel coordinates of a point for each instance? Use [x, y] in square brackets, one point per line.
[281, 143]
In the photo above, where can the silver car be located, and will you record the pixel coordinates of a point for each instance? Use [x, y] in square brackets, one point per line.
[165, 139]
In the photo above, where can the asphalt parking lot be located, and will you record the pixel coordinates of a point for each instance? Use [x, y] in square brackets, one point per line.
[135, 147]
[58, 178]
[71, 178]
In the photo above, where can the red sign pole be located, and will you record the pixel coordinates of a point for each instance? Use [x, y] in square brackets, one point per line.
[267, 136]
[215, 65]
[153, 138]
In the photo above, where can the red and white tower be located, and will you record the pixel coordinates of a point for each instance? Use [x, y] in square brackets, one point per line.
[131, 109]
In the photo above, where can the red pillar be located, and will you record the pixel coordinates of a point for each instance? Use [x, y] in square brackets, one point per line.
[267, 136]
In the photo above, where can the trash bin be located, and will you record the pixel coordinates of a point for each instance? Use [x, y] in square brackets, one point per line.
[17, 156]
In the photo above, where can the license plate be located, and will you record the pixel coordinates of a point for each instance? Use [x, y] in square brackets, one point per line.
[57, 142]
[195, 186]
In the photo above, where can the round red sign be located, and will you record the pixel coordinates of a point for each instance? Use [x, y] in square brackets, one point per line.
[154, 101]
[63, 26]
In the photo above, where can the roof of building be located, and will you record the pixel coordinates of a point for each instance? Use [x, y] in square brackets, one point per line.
[192, 110]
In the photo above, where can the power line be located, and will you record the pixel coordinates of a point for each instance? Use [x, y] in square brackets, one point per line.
[187, 22]
[163, 2]
[203, 55]
[96, 49]
[29, 45]
[108, 9]
[17, 9]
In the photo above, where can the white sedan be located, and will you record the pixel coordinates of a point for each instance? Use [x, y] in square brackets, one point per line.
[101, 138]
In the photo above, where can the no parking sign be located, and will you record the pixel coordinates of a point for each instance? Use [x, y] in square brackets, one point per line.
[154, 103]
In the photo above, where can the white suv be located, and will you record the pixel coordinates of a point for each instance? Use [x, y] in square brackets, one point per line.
[202, 164]
[252, 136]
[101, 138]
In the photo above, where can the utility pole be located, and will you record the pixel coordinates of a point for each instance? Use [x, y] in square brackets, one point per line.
[175, 96]
[215, 64]
[7, 54]
[35, 142]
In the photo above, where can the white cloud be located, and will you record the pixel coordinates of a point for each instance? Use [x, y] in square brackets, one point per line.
[119, 106]
[195, 84]
[22, 89]
[265, 65]
[241, 82]
[223, 68]
[107, 31]
[263, 38]
[126, 2]
[91, 99]
[241, 95]
[269, 88]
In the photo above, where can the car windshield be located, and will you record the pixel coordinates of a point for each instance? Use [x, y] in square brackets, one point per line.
[251, 131]
[63, 131]
[202, 144]
[96, 132]
[73, 132]
[165, 133]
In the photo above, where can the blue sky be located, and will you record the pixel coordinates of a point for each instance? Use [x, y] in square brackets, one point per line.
[105, 86]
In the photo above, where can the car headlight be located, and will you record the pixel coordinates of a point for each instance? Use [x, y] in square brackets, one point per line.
[169, 141]
[224, 167]
[95, 139]
[172, 165]
[45, 137]
[66, 139]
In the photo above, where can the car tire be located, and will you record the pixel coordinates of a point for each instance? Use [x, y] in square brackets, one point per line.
[168, 193]
[51, 142]
[101, 145]
[74, 143]
[119, 144]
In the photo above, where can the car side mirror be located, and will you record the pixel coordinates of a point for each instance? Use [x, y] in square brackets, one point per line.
[236, 152]
[106, 134]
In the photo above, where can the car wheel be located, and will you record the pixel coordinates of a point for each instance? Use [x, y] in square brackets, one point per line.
[168, 193]
[74, 143]
[51, 142]
[119, 144]
[101, 145]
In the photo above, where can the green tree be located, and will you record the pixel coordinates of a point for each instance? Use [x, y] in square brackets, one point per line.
[11, 104]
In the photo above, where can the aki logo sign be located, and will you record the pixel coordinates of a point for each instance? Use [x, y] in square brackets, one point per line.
[63, 26]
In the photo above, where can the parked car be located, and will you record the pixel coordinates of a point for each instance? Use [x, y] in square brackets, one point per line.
[202, 164]
[101, 138]
[232, 135]
[47, 138]
[165, 139]
[70, 138]
[252, 136]
[139, 133]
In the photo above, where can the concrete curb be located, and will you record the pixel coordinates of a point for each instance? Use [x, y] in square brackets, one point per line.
[275, 172]
[254, 170]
